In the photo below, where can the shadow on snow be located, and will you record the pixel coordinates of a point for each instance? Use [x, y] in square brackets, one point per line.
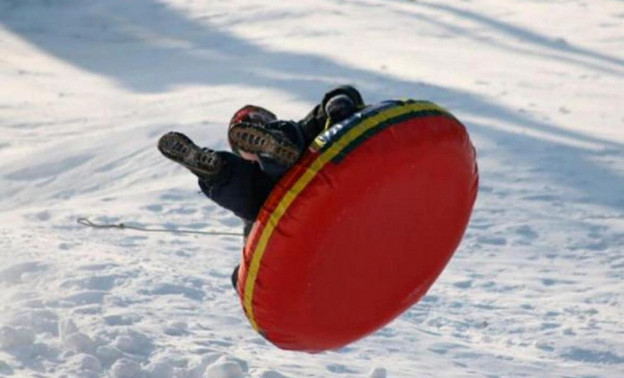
[149, 47]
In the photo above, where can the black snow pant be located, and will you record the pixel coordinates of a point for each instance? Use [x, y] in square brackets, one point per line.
[240, 186]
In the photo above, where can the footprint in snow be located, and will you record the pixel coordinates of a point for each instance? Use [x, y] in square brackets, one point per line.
[173, 289]
[14, 274]
[492, 240]
[99, 283]
[592, 356]
[156, 208]
[526, 232]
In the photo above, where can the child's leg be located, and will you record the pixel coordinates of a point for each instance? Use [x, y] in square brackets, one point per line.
[232, 182]
[241, 186]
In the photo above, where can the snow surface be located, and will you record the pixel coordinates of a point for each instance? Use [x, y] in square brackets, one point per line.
[88, 86]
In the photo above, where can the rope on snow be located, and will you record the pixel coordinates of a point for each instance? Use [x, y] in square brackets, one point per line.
[122, 226]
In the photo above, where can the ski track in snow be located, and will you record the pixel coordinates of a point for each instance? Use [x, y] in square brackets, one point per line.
[535, 288]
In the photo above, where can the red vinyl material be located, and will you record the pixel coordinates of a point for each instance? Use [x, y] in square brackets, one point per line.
[345, 245]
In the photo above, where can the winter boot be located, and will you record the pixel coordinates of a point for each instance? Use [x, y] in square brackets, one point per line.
[259, 142]
[204, 163]
[251, 114]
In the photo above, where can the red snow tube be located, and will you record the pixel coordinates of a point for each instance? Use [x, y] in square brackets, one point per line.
[360, 228]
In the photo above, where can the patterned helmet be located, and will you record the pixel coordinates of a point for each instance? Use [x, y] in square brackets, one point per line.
[252, 114]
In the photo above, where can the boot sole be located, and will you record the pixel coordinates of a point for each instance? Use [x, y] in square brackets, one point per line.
[179, 148]
[256, 140]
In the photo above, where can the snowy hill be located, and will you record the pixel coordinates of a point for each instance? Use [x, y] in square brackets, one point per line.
[87, 87]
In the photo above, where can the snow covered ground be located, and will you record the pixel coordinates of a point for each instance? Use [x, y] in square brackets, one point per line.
[87, 87]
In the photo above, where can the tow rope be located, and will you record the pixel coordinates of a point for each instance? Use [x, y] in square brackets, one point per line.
[122, 226]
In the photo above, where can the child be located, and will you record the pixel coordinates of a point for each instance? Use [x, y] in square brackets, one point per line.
[263, 147]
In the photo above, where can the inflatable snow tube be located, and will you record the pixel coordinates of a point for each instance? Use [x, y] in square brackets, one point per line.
[359, 229]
